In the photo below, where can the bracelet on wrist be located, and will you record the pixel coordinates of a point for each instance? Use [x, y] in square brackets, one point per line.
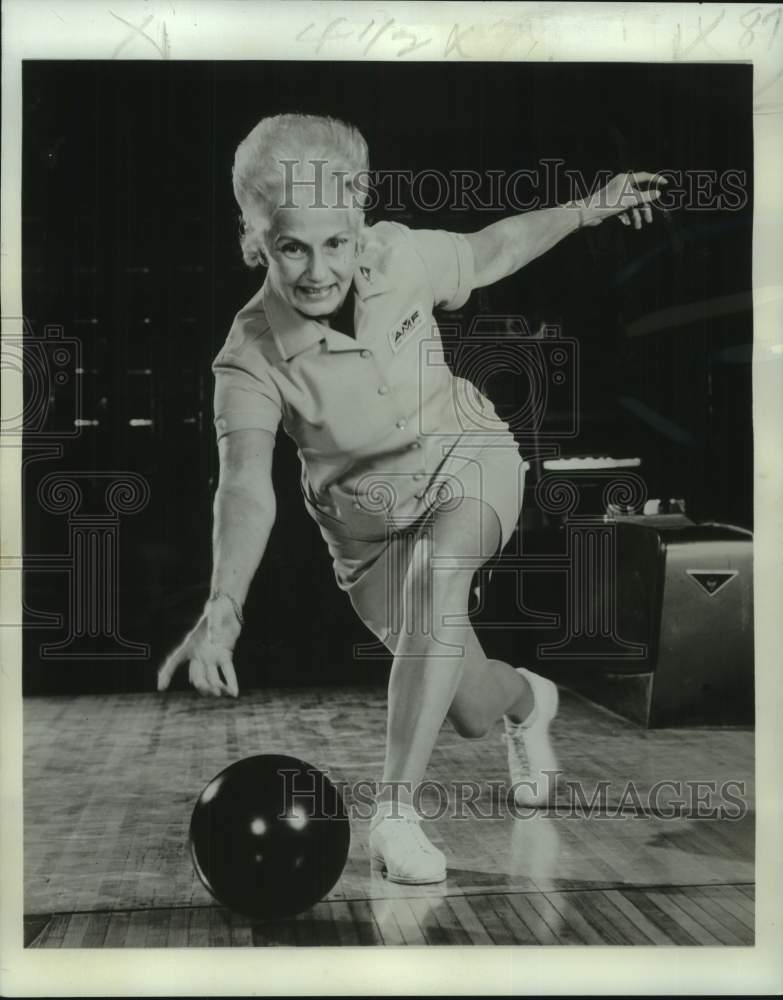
[216, 594]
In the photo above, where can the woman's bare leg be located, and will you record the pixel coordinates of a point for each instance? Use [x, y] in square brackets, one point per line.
[439, 666]
[488, 690]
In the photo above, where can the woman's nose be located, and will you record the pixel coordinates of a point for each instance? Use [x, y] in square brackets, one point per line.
[318, 268]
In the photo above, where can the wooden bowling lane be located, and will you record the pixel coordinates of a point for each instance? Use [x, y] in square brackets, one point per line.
[665, 915]
[110, 782]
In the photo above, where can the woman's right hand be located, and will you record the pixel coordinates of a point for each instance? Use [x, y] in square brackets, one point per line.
[208, 649]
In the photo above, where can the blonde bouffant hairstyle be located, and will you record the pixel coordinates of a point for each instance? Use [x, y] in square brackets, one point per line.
[260, 172]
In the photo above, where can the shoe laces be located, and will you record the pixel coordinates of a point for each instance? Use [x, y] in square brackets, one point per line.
[519, 760]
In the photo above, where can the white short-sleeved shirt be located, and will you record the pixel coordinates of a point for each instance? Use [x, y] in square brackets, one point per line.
[374, 417]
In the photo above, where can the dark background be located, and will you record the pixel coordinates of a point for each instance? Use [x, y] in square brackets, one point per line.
[130, 246]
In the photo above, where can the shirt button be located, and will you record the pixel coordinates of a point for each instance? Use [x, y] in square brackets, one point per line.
[382, 390]
[416, 444]
[365, 354]
[418, 475]
[356, 505]
[402, 423]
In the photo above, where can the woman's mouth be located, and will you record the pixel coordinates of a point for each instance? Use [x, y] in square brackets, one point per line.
[314, 294]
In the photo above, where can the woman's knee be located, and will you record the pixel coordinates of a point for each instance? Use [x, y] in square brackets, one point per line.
[435, 597]
[466, 536]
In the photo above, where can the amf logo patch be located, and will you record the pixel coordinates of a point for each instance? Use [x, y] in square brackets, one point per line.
[400, 334]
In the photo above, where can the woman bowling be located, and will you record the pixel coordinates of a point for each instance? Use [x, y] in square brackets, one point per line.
[412, 478]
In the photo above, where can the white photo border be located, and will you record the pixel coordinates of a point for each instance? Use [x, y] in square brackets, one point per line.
[452, 32]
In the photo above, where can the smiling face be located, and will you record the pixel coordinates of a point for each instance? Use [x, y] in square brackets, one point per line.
[312, 255]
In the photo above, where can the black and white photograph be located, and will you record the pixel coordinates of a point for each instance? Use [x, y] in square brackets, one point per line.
[387, 459]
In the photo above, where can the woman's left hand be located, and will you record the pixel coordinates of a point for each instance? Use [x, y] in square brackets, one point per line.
[623, 198]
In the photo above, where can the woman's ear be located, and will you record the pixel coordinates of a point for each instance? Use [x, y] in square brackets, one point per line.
[262, 248]
[252, 244]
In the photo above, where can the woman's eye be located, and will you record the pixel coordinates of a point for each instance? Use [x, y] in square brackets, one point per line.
[291, 249]
[337, 241]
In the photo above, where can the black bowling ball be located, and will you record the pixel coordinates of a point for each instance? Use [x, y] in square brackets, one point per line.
[269, 836]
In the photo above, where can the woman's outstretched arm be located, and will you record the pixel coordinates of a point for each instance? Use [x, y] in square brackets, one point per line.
[244, 510]
[244, 513]
[508, 245]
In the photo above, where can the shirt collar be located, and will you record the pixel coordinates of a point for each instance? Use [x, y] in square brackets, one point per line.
[294, 333]
[368, 280]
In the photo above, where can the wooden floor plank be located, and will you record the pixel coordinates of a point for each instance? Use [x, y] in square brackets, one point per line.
[749, 892]
[625, 904]
[179, 923]
[471, 924]
[366, 928]
[219, 927]
[728, 903]
[494, 924]
[34, 926]
[553, 919]
[518, 928]
[424, 911]
[607, 928]
[540, 930]
[608, 854]
[316, 927]
[95, 931]
[158, 922]
[573, 917]
[409, 927]
[452, 928]
[342, 918]
[386, 921]
[618, 918]
[702, 915]
[198, 927]
[117, 930]
[54, 933]
[274, 933]
[671, 906]
[75, 930]
[660, 917]
[722, 843]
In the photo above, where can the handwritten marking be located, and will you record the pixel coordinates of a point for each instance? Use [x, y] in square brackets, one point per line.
[455, 41]
[139, 30]
[504, 34]
[776, 13]
[328, 34]
[377, 35]
[403, 33]
[702, 36]
[494, 41]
